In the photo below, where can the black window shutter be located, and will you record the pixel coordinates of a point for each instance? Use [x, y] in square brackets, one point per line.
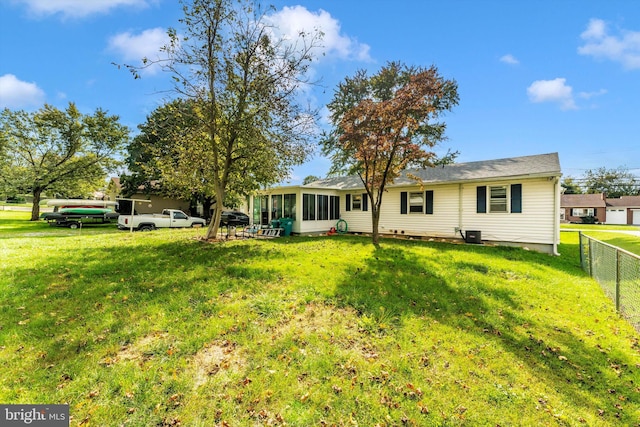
[365, 202]
[348, 202]
[481, 199]
[595, 211]
[403, 203]
[516, 198]
[428, 196]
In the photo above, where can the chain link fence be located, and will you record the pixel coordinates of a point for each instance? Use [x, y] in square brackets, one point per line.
[617, 271]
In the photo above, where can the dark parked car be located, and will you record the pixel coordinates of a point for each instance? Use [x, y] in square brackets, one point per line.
[234, 218]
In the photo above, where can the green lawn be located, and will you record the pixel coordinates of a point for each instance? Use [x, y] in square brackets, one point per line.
[598, 227]
[609, 234]
[627, 242]
[160, 328]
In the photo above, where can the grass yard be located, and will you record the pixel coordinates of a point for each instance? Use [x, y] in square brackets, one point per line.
[627, 242]
[599, 227]
[610, 234]
[158, 328]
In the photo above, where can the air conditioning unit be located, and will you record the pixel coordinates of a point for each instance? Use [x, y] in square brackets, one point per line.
[473, 236]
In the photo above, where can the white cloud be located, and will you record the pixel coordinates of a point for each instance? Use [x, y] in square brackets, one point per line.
[589, 95]
[555, 90]
[15, 93]
[290, 21]
[509, 59]
[135, 47]
[77, 8]
[600, 44]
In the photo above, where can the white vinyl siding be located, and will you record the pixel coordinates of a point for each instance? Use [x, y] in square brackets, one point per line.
[534, 225]
[454, 206]
[357, 220]
[441, 223]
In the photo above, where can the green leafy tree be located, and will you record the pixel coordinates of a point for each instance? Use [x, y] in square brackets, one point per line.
[387, 123]
[159, 150]
[613, 182]
[571, 186]
[244, 81]
[59, 151]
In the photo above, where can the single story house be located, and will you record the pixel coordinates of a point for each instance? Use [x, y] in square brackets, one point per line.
[511, 201]
[157, 202]
[621, 211]
[624, 210]
[574, 207]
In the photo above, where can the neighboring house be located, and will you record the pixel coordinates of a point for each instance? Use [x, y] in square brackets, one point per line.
[623, 211]
[575, 207]
[157, 204]
[513, 201]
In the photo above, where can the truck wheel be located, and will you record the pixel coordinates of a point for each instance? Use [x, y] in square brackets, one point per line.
[146, 228]
[73, 225]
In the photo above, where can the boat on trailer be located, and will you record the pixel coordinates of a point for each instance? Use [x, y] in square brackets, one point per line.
[73, 213]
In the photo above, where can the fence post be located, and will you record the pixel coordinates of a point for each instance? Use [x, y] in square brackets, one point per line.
[618, 281]
[581, 250]
[590, 257]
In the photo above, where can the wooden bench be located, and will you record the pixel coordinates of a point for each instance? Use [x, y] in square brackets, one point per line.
[269, 233]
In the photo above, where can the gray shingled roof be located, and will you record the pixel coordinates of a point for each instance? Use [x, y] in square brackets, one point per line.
[541, 165]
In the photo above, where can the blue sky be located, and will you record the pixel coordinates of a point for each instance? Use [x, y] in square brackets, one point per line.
[534, 76]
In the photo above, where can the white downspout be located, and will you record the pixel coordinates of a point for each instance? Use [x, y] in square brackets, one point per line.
[556, 213]
[460, 213]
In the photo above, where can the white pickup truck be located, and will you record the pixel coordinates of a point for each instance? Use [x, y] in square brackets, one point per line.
[169, 218]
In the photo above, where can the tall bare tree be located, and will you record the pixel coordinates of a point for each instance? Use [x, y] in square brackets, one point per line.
[244, 80]
[386, 123]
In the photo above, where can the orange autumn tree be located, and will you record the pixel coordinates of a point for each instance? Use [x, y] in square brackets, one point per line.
[387, 123]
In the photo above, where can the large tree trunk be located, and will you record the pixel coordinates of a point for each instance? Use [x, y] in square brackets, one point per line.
[35, 209]
[214, 225]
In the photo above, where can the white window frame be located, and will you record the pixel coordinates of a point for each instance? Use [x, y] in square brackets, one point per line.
[582, 212]
[497, 202]
[416, 202]
[356, 202]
